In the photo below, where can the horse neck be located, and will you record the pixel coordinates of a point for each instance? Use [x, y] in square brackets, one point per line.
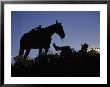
[51, 30]
[57, 47]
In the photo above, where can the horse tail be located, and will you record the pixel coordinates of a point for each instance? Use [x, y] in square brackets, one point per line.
[21, 50]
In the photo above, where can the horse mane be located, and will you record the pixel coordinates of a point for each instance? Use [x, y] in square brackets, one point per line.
[48, 27]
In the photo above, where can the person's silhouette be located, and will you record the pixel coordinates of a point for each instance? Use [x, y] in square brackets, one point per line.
[84, 49]
[39, 27]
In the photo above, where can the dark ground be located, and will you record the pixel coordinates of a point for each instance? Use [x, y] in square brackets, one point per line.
[53, 65]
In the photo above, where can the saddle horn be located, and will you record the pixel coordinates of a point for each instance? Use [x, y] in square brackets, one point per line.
[56, 22]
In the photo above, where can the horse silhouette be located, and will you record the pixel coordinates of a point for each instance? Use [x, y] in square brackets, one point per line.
[40, 39]
[65, 50]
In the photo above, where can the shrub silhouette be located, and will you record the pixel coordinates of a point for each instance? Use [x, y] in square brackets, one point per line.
[77, 63]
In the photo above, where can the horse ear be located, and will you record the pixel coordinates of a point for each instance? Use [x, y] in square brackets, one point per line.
[56, 22]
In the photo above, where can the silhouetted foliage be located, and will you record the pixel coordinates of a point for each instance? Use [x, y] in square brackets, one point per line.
[81, 63]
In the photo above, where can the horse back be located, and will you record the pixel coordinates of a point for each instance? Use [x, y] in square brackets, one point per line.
[35, 39]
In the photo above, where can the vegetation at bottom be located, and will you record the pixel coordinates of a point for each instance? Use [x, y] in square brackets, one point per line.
[80, 63]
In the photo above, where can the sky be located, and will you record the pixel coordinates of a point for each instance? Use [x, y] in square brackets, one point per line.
[79, 27]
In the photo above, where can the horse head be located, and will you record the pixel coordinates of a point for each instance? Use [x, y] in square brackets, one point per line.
[59, 30]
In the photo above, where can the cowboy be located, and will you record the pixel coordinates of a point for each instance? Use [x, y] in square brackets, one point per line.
[39, 27]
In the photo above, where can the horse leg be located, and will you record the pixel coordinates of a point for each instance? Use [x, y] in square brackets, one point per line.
[46, 50]
[21, 51]
[26, 53]
[40, 51]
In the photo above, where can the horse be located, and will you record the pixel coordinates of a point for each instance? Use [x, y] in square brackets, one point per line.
[65, 50]
[40, 39]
